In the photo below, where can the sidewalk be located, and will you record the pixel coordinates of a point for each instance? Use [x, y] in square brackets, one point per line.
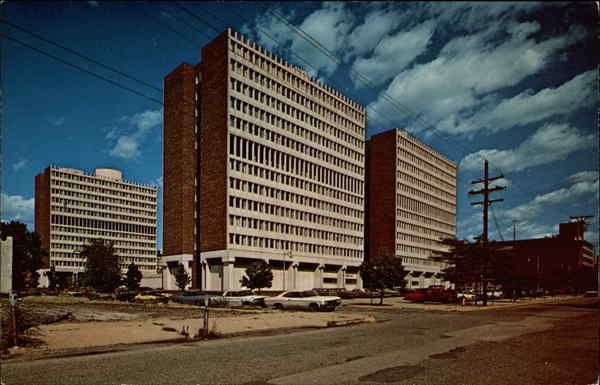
[397, 303]
[68, 338]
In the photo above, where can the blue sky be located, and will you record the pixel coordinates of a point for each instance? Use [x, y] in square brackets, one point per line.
[510, 82]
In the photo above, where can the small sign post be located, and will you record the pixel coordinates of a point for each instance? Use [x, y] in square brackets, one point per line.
[13, 302]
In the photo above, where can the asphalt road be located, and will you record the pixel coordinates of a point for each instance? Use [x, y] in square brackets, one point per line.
[543, 344]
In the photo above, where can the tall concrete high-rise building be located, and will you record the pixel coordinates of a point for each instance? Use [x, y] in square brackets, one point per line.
[261, 162]
[73, 207]
[411, 203]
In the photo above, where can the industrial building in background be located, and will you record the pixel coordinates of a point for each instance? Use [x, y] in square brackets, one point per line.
[261, 162]
[73, 207]
[411, 204]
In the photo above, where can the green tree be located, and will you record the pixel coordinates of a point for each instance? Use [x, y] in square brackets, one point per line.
[102, 268]
[28, 255]
[182, 278]
[478, 264]
[52, 278]
[258, 275]
[133, 277]
[383, 272]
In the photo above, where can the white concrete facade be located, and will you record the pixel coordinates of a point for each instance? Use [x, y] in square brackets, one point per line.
[295, 176]
[425, 209]
[101, 205]
[6, 260]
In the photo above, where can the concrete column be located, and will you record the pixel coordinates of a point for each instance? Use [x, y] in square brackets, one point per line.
[294, 276]
[341, 277]
[359, 282]
[204, 274]
[319, 276]
[226, 282]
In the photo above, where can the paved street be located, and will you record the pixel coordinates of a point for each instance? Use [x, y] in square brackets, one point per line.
[541, 344]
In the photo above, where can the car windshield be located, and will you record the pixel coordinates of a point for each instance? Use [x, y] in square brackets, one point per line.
[310, 293]
[241, 293]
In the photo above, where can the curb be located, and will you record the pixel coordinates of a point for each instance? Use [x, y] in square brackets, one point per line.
[78, 352]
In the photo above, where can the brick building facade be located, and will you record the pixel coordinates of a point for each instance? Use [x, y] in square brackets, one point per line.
[261, 162]
[411, 204]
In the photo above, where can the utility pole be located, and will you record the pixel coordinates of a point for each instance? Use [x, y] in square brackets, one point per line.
[486, 203]
[485, 191]
[514, 230]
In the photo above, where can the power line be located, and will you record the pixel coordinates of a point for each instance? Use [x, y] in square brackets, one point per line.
[76, 53]
[203, 32]
[496, 224]
[171, 29]
[116, 84]
[203, 21]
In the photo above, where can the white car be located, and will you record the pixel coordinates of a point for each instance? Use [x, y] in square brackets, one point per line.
[242, 297]
[303, 299]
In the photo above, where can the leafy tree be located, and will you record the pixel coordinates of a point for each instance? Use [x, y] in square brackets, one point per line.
[258, 275]
[52, 278]
[383, 272]
[478, 263]
[133, 276]
[102, 268]
[181, 277]
[28, 254]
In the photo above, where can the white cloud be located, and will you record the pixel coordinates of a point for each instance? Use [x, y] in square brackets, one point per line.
[393, 53]
[583, 185]
[550, 143]
[20, 164]
[377, 25]
[526, 107]
[128, 146]
[159, 182]
[56, 121]
[470, 67]
[16, 207]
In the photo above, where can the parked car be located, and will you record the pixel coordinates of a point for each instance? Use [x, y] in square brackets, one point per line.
[242, 297]
[125, 295]
[151, 297]
[591, 293]
[196, 297]
[433, 294]
[303, 299]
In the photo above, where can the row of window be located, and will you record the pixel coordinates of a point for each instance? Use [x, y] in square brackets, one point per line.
[284, 228]
[67, 220]
[405, 250]
[424, 209]
[252, 151]
[98, 233]
[449, 195]
[410, 168]
[274, 176]
[74, 250]
[425, 220]
[76, 237]
[299, 145]
[425, 230]
[95, 214]
[271, 118]
[286, 212]
[299, 247]
[403, 237]
[427, 167]
[270, 192]
[272, 97]
[100, 198]
[425, 153]
[277, 67]
[81, 265]
[423, 196]
[103, 182]
[104, 190]
[100, 206]
[421, 261]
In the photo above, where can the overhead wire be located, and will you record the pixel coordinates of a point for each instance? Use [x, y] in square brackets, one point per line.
[80, 55]
[79, 68]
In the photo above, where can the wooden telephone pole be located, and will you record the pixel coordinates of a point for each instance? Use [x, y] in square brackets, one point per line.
[486, 203]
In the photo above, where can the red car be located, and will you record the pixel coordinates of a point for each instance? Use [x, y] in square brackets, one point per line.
[432, 294]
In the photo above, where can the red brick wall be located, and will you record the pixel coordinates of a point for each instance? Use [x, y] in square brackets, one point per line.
[380, 217]
[42, 210]
[179, 161]
[214, 141]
